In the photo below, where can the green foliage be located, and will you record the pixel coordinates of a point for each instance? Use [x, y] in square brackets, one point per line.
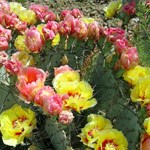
[142, 33]
[56, 135]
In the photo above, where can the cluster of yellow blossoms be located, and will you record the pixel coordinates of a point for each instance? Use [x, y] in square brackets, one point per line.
[139, 79]
[24, 14]
[99, 134]
[79, 92]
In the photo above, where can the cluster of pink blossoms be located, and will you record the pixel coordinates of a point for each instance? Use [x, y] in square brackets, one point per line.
[71, 24]
[128, 54]
[10, 20]
[5, 37]
[31, 86]
[43, 13]
[69, 92]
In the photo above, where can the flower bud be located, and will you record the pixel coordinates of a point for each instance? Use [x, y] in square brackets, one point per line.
[3, 43]
[3, 57]
[12, 66]
[129, 8]
[129, 58]
[64, 13]
[112, 34]
[76, 13]
[93, 31]
[145, 142]
[53, 105]
[34, 41]
[80, 30]
[67, 26]
[49, 16]
[121, 45]
[50, 30]
[43, 95]
[40, 10]
[66, 117]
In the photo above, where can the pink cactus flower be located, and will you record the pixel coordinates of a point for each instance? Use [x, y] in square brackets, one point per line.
[49, 16]
[148, 109]
[40, 10]
[65, 117]
[93, 31]
[121, 45]
[1, 17]
[62, 69]
[64, 28]
[76, 13]
[53, 105]
[5, 33]
[9, 20]
[4, 6]
[112, 34]
[30, 80]
[34, 40]
[129, 8]
[72, 22]
[145, 142]
[80, 30]
[20, 26]
[67, 26]
[3, 57]
[50, 30]
[148, 3]
[3, 44]
[43, 94]
[12, 66]
[129, 58]
[64, 13]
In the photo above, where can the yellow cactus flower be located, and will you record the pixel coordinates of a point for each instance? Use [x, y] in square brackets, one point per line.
[78, 104]
[20, 43]
[24, 57]
[90, 133]
[87, 20]
[81, 89]
[141, 92]
[56, 40]
[28, 16]
[62, 79]
[132, 76]
[111, 139]
[112, 8]
[16, 123]
[80, 95]
[40, 28]
[146, 125]
[16, 8]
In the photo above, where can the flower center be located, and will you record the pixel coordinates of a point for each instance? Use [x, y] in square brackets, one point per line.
[110, 146]
[18, 124]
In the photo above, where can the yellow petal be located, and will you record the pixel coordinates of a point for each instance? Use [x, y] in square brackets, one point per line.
[56, 40]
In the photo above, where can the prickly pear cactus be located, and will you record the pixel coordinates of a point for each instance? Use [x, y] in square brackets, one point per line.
[57, 135]
[89, 51]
